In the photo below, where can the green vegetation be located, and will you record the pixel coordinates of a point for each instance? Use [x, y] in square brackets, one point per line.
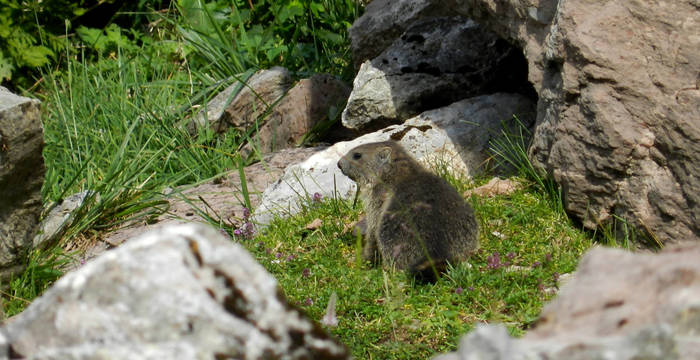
[525, 245]
[114, 103]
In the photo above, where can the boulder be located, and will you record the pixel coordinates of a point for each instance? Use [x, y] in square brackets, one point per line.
[384, 21]
[435, 62]
[21, 177]
[307, 106]
[648, 310]
[617, 123]
[455, 137]
[182, 292]
[240, 105]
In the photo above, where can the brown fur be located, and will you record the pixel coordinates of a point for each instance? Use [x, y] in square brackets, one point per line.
[415, 220]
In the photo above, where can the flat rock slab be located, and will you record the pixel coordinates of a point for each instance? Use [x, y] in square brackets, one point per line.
[181, 292]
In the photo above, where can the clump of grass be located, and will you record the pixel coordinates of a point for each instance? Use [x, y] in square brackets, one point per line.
[510, 152]
[43, 268]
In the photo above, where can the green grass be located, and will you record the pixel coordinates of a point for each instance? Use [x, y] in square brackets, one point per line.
[384, 315]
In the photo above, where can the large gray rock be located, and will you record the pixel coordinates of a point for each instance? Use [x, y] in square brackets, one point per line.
[435, 62]
[456, 136]
[618, 117]
[183, 292]
[21, 177]
[619, 305]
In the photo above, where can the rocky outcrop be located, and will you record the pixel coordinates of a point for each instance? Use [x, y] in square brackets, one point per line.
[21, 177]
[619, 106]
[455, 137]
[183, 292]
[651, 310]
[435, 62]
[619, 100]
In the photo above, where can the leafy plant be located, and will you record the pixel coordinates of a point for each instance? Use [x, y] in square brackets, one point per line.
[229, 37]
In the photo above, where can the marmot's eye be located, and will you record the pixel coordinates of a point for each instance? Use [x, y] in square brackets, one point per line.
[356, 156]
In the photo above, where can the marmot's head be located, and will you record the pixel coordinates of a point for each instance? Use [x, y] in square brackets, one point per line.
[369, 163]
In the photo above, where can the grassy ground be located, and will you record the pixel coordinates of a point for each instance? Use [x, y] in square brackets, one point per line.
[525, 245]
[112, 126]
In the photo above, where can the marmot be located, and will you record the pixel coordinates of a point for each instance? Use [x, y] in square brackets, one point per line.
[414, 219]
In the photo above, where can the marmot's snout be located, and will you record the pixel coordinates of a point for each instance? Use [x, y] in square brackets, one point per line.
[342, 165]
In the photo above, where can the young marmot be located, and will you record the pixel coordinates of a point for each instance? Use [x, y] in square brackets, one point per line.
[414, 219]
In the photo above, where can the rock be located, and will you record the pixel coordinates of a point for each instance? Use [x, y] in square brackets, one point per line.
[495, 186]
[58, 218]
[307, 105]
[435, 62]
[455, 137]
[618, 305]
[182, 292]
[617, 122]
[386, 20]
[21, 177]
[486, 342]
[241, 109]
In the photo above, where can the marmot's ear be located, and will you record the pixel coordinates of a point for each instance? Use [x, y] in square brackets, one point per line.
[384, 155]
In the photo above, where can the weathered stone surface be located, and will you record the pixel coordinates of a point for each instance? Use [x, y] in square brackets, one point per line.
[650, 310]
[306, 104]
[494, 187]
[619, 86]
[21, 177]
[182, 292]
[241, 111]
[61, 215]
[435, 62]
[456, 136]
[371, 34]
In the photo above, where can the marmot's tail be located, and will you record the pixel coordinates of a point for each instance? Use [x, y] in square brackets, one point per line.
[428, 271]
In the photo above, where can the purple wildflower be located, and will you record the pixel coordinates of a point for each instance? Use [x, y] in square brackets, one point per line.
[493, 262]
[317, 197]
[458, 290]
[471, 288]
[246, 213]
[290, 257]
[510, 255]
[306, 272]
[548, 257]
[555, 276]
[238, 232]
[536, 264]
[308, 302]
[278, 255]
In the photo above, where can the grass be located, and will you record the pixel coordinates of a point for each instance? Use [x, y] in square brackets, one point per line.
[525, 245]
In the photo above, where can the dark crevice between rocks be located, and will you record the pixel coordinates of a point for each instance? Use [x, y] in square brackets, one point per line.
[399, 135]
